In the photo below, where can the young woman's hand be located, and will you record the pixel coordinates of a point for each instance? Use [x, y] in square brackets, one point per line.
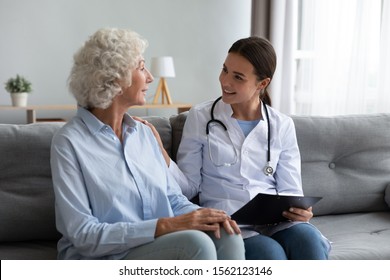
[157, 136]
[298, 214]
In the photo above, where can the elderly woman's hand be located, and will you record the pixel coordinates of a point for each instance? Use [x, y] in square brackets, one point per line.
[231, 226]
[204, 219]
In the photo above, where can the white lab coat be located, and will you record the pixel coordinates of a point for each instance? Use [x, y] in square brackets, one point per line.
[230, 187]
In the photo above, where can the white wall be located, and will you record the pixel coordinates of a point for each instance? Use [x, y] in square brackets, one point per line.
[38, 39]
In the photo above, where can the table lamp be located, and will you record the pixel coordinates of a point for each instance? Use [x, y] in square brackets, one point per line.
[162, 67]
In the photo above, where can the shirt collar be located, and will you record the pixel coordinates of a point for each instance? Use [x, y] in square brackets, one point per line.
[227, 109]
[95, 125]
[129, 123]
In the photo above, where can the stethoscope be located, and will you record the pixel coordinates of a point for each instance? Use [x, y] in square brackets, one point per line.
[268, 170]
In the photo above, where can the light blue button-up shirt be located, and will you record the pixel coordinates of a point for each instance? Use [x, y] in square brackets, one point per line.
[109, 195]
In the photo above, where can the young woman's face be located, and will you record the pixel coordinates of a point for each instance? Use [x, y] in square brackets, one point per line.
[141, 78]
[238, 80]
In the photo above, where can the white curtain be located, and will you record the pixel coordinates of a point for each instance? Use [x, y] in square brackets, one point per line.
[332, 60]
[282, 37]
[384, 62]
[342, 74]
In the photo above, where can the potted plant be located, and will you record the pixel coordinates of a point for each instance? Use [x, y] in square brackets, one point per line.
[19, 88]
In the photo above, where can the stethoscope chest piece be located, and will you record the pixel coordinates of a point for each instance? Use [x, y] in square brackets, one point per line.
[268, 170]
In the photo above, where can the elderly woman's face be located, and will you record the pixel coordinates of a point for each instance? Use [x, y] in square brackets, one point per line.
[141, 78]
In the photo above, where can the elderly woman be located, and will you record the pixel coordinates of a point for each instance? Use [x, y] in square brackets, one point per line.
[115, 198]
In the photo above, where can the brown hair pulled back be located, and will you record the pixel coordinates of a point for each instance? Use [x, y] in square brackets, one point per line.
[261, 54]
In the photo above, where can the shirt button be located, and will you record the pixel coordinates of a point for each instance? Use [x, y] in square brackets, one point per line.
[332, 165]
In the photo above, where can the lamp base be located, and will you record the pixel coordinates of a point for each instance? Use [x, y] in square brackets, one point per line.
[162, 88]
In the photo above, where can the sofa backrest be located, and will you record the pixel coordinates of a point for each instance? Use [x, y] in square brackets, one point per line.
[177, 124]
[26, 190]
[345, 160]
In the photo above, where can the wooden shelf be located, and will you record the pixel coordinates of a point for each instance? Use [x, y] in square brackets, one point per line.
[31, 109]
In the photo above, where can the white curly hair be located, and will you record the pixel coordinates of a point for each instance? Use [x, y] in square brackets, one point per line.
[103, 65]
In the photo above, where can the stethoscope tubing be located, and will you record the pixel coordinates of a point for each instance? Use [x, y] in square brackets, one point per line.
[268, 170]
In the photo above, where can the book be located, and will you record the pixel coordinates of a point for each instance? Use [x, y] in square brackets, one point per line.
[267, 209]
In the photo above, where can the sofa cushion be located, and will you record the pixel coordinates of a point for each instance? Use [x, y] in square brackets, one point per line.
[29, 250]
[26, 190]
[357, 236]
[346, 160]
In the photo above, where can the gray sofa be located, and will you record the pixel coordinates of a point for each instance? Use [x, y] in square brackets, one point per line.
[345, 159]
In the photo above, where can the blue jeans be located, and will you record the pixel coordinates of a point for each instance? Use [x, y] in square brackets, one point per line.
[191, 245]
[299, 242]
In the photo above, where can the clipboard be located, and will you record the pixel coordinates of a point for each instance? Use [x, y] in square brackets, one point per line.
[267, 208]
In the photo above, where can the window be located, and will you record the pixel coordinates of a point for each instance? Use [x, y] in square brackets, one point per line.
[341, 47]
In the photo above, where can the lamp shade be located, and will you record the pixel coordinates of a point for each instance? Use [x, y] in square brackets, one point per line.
[162, 67]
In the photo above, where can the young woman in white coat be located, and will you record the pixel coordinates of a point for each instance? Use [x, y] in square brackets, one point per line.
[237, 146]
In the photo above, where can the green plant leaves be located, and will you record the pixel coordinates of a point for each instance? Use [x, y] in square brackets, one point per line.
[18, 84]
